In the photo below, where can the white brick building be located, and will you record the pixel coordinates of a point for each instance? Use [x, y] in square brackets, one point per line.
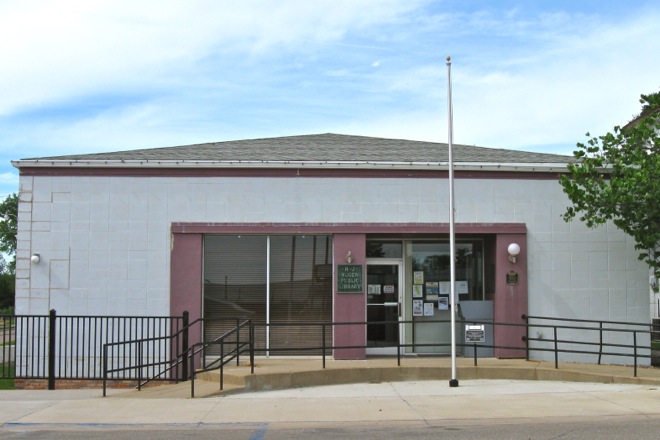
[156, 232]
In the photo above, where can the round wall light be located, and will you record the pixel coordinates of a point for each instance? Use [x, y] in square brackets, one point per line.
[514, 250]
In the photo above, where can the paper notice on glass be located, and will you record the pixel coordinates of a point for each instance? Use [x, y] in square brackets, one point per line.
[443, 303]
[418, 307]
[429, 309]
[431, 287]
[418, 291]
[418, 277]
[444, 287]
[461, 287]
[373, 289]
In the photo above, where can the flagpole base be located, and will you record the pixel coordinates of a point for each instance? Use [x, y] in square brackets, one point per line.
[453, 383]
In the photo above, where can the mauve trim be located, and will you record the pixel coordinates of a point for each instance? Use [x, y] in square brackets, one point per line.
[282, 172]
[346, 228]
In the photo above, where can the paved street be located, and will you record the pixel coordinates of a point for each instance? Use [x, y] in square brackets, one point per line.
[620, 429]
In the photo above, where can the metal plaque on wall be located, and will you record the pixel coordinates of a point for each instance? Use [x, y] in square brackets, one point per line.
[512, 278]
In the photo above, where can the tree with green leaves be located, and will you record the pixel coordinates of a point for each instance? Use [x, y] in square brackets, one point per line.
[617, 178]
[8, 228]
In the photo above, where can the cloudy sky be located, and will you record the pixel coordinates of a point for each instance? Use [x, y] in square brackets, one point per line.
[89, 76]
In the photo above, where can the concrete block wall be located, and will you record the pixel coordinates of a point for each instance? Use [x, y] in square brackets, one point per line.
[105, 241]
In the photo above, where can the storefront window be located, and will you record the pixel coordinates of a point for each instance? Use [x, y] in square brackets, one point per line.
[384, 249]
[234, 284]
[291, 283]
[430, 300]
[300, 291]
[432, 261]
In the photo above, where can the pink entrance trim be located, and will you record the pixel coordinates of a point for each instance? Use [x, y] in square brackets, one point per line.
[346, 228]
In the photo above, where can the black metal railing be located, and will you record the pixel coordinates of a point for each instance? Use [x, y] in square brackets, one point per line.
[637, 348]
[231, 344]
[142, 349]
[54, 347]
[601, 338]
[137, 359]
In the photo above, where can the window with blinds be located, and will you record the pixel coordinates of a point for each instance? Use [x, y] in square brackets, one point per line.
[298, 292]
[234, 285]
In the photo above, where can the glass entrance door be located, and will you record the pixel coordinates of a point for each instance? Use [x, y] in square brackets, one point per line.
[383, 306]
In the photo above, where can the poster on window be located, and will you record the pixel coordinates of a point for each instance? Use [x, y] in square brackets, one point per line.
[418, 307]
[432, 288]
[429, 309]
[418, 277]
[443, 303]
[461, 287]
[444, 287]
[418, 291]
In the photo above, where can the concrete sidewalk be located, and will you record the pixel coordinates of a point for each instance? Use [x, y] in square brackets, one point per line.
[277, 373]
[390, 395]
[395, 403]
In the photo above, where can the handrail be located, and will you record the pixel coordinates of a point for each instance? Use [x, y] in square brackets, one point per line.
[556, 344]
[178, 360]
[224, 359]
[601, 329]
[593, 321]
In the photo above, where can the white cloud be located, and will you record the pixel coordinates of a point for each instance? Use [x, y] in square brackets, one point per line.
[55, 50]
[579, 75]
[208, 71]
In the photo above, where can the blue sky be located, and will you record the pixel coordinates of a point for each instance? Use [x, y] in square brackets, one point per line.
[90, 76]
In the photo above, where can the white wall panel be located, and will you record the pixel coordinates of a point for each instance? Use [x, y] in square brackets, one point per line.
[116, 231]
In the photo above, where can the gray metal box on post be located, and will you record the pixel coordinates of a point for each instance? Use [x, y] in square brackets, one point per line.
[481, 312]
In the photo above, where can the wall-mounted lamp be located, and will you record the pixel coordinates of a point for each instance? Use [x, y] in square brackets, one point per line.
[349, 257]
[514, 250]
[35, 258]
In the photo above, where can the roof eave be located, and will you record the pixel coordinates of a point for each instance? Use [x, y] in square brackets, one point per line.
[115, 163]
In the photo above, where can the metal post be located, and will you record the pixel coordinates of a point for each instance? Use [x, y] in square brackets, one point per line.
[323, 343]
[635, 349]
[475, 354]
[453, 382]
[526, 318]
[139, 365]
[238, 342]
[398, 347]
[556, 353]
[105, 368]
[51, 349]
[251, 347]
[192, 374]
[185, 321]
[600, 349]
[222, 364]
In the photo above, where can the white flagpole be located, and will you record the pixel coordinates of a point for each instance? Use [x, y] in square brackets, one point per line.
[453, 382]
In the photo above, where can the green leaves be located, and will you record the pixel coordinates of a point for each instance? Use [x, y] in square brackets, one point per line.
[617, 178]
[8, 228]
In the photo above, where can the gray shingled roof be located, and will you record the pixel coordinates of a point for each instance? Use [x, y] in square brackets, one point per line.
[321, 147]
